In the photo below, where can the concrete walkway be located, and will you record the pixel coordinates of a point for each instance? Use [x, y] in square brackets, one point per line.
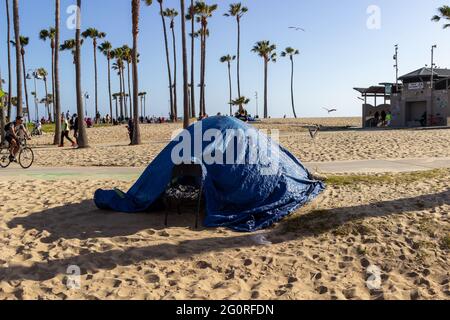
[119, 173]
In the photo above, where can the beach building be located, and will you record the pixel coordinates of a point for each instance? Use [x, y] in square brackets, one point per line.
[420, 99]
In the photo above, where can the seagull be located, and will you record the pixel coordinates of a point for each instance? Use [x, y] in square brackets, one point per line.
[297, 29]
[330, 110]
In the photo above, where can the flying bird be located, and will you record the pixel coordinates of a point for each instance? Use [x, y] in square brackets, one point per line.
[297, 29]
[330, 110]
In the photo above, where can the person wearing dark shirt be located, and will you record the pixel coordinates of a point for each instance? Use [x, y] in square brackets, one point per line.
[130, 128]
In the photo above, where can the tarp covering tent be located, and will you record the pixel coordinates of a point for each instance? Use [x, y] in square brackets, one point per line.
[244, 189]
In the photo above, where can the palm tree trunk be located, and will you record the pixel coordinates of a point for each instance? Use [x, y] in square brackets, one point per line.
[121, 96]
[19, 81]
[2, 112]
[124, 99]
[95, 78]
[231, 90]
[239, 57]
[82, 135]
[53, 81]
[117, 109]
[47, 105]
[266, 113]
[175, 97]
[185, 67]
[201, 76]
[204, 73]
[292, 88]
[25, 85]
[145, 103]
[109, 88]
[130, 96]
[8, 24]
[135, 4]
[57, 97]
[166, 43]
[193, 113]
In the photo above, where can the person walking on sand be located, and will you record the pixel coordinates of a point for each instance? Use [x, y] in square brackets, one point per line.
[388, 119]
[65, 132]
[130, 128]
[74, 126]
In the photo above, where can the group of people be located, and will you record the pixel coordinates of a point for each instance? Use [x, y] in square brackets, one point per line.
[381, 119]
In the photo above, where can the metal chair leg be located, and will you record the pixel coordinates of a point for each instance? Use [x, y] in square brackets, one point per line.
[199, 207]
[167, 217]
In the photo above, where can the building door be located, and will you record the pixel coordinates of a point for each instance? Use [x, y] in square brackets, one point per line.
[415, 112]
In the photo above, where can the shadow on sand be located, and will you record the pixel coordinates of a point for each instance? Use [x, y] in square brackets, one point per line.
[84, 221]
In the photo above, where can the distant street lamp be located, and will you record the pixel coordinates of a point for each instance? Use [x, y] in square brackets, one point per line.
[33, 74]
[432, 77]
[257, 107]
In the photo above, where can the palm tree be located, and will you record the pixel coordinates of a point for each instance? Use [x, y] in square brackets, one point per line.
[19, 75]
[127, 57]
[116, 96]
[291, 52]
[141, 97]
[82, 136]
[106, 49]
[8, 28]
[135, 9]
[42, 73]
[191, 16]
[119, 95]
[240, 102]
[50, 35]
[237, 10]
[186, 114]
[48, 100]
[172, 14]
[443, 13]
[2, 110]
[118, 65]
[94, 34]
[266, 50]
[204, 12]
[24, 41]
[166, 44]
[228, 59]
[56, 85]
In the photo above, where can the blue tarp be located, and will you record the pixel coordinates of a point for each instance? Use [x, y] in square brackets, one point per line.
[241, 193]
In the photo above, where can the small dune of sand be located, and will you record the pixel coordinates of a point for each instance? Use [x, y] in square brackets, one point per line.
[367, 240]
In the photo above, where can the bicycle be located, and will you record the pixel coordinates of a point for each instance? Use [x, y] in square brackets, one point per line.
[25, 158]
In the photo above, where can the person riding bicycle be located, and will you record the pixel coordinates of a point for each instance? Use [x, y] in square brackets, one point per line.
[13, 132]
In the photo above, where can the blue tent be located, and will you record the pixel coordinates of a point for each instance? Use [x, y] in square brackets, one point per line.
[256, 184]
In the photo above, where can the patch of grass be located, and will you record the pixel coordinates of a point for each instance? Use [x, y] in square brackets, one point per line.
[315, 221]
[46, 128]
[50, 128]
[354, 228]
[445, 242]
[352, 180]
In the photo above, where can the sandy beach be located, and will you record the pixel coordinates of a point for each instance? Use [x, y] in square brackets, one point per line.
[324, 251]
[109, 146]
[367, 237]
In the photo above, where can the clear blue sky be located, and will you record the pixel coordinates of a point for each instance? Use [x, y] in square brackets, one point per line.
[338, 51]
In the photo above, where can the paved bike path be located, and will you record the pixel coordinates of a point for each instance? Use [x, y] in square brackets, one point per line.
[122, 173]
